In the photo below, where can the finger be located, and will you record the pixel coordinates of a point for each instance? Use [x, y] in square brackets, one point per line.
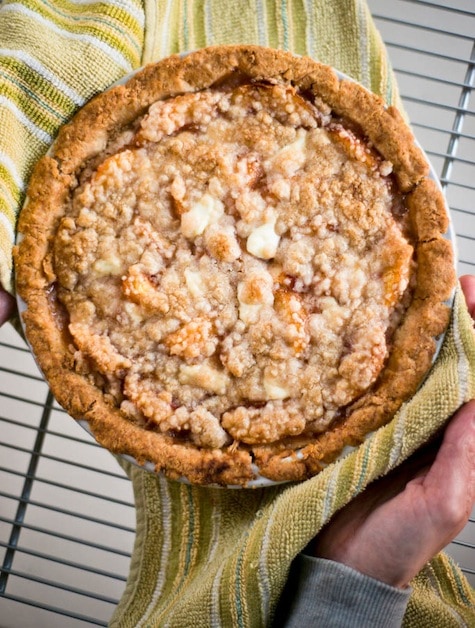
[468, 286]
[7, 306]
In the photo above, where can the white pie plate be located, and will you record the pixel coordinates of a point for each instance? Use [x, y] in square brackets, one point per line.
[260, 481]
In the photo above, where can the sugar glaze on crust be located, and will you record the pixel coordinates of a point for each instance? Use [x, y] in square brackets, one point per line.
[229, 259]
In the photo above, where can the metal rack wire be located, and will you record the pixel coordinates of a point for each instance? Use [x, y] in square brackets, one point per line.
[66, 509]
[66, 515]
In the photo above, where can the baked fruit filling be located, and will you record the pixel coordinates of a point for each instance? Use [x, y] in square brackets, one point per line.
[228, 266]
[234, 271]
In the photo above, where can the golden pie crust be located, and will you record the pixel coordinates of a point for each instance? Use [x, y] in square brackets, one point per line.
[234, 264]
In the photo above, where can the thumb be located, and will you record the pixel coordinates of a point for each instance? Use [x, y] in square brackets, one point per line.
[452, 475]
[468, 287]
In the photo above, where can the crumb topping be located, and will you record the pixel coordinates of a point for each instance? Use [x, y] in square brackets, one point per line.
[234, 271]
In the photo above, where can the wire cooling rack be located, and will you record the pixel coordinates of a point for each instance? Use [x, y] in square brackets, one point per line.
[66, 509]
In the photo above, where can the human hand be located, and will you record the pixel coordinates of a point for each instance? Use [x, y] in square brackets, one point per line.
[7, 305]
[400, 522]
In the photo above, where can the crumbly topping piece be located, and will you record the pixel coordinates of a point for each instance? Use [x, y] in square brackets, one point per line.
[234, 271]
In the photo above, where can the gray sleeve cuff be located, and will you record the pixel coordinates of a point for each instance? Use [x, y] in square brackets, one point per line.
[322, 592]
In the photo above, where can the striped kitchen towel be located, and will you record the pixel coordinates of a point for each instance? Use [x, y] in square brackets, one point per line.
[216, 557]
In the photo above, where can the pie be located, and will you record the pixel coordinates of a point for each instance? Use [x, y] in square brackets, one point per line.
[234, 265]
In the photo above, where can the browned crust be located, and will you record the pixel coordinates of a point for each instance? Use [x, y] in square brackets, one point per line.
[433, 220]
[387, 130]
[86, 135]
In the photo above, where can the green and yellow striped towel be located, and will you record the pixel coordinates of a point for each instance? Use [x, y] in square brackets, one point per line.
[215, 557]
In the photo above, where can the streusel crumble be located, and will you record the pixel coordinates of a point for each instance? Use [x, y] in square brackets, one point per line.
[234, 266]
